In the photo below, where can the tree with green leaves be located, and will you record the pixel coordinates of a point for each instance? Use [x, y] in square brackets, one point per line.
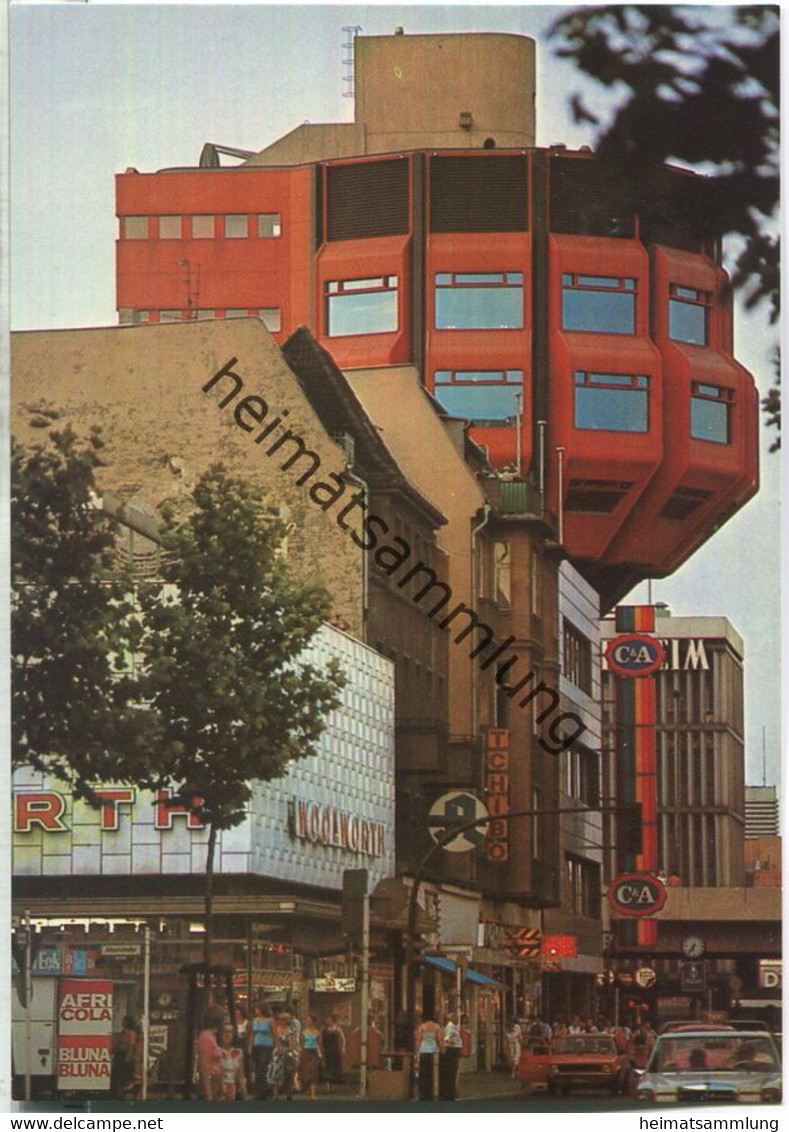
[222, 646]
[219, 696]
[73, 712]
[699, 87]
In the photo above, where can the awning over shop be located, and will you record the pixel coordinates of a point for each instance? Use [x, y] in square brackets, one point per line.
[449, 966]
[482, 980]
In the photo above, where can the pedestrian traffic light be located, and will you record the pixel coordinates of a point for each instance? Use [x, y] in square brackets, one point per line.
[629, 828]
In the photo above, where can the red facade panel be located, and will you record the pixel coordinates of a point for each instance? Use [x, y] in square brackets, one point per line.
[699, 479]
[604, 470]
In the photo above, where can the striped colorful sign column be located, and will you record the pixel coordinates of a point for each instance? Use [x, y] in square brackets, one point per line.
[637, 753]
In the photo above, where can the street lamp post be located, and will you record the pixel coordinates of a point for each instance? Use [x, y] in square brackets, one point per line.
[440, 841]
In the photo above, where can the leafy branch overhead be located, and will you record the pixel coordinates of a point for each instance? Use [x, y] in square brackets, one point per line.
[699, 87]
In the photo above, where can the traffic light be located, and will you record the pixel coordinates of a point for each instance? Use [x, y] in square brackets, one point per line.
[629, 828]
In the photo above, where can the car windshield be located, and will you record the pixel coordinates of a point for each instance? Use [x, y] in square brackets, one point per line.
[691, 1053]
[588, 1043]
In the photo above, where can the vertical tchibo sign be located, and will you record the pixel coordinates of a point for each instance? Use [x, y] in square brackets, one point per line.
[84, 1034]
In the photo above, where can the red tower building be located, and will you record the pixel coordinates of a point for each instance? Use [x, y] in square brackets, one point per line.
[585, 328]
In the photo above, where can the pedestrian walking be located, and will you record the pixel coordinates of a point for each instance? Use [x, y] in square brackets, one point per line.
[311, 1055]
[449, 1060]
[262, 1042]
[209, 1055]
[231, 1066]
[429, 1043]
[285, 1062]
[126, 1069]
[333, 1040]
[514, 1039]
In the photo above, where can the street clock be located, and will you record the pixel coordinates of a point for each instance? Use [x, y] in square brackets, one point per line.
[693, 947]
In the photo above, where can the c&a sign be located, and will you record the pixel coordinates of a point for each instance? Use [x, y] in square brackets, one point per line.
[636, 894]
[633, 654]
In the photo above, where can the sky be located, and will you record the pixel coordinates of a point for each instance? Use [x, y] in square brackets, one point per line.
[96, 88]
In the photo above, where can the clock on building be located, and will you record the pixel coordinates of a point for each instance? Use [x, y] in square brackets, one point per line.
[693, 947]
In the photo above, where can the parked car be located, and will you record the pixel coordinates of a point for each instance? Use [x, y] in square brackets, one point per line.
[715, 1066]
[534, 1063]
[588, 1059]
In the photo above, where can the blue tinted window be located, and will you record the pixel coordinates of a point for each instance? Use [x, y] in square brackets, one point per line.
[479, 402]
[611, 402]
[709, 414]
[479, 302]
[354, 311]
[687, 322]
[598, 304]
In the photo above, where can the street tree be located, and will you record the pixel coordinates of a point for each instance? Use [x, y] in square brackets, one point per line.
[699, 87]
[222, 669]
[72, 626]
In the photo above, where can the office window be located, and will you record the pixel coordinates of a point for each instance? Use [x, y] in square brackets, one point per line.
[687, 314]
[236, 227]
[536, 823]
[582, 782]
[710, 406]
[269, 224]
[169, 227]
[536, 590]
[582, 894]
[135, 227]
[203, 227]
[480, 395]
[576, 656]
[272, 318]
[613, 402]
[361, 306]
[502, 567]
[481, 301]
[606, 305]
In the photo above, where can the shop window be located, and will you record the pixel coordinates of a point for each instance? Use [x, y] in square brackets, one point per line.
[202, 315]
[687, 315]
[613, 402]
[269, 224]
[710, 406]
[272, 318]
[169, 227]
[236, 227]
[361, 306]
[237, 312]
[481, 301]
[576, 657]
[599, 303]
[170, 316]
[203, 227]
[135, 227]
[480, 395]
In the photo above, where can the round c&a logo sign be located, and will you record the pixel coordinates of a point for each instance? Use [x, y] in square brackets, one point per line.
[634, 655]
[636, 894]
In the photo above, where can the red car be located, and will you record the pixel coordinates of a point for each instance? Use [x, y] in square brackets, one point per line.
[534, 1063]
[588, 1059]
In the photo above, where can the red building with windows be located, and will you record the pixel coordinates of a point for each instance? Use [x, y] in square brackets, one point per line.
[584, 327]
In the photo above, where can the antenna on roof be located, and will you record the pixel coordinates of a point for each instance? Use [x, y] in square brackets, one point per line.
[350, 32]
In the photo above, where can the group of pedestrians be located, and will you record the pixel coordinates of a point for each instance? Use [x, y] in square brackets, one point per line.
[271, 1055]
[438, 1051]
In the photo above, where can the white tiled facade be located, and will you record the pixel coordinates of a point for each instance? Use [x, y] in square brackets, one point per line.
[351, 780]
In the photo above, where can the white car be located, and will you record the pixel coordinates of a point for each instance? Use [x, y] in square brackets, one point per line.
[714, 1066]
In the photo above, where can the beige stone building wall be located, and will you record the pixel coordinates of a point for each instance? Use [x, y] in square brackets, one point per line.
[143, 387]
[395, 401]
